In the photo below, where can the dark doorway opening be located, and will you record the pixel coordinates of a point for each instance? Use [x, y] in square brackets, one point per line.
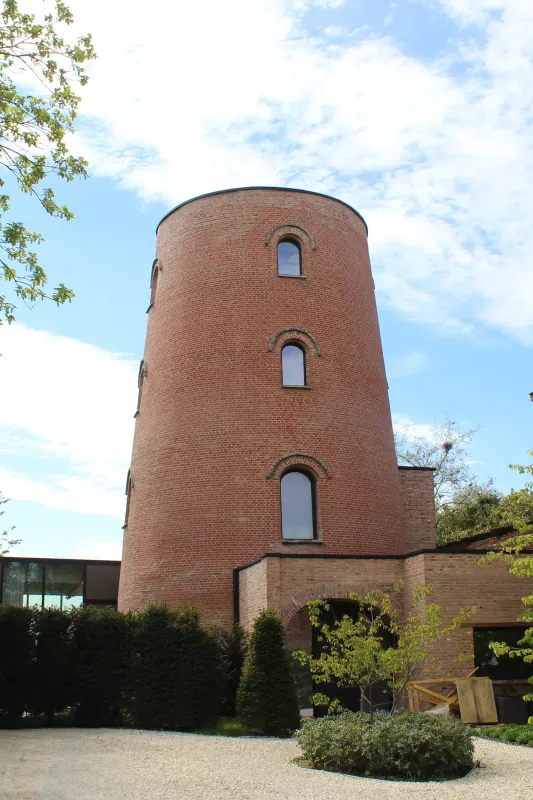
[350, 697]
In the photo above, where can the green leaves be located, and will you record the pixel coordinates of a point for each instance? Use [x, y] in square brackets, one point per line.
[32, 135]
[378, 648]
[6, 543]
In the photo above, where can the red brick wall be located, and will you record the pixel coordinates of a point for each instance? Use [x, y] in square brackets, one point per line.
[213, 418]
[416, 486]
[458, 582]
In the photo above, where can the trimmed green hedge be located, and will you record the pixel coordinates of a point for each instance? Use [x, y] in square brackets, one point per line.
[405, 745]
[516, 734]
[158, 669]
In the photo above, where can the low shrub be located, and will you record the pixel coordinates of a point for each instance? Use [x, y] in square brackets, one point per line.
[405, 745]
[516, 734]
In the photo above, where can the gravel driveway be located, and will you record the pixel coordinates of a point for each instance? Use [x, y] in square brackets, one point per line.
[143, 765]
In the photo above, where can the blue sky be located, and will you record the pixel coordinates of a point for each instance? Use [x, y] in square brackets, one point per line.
[416, 113]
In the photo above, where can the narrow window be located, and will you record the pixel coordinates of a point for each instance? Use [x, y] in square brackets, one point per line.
[293, 365]
[153, 283]
[289, 258]
[297, 506]
[129, 487]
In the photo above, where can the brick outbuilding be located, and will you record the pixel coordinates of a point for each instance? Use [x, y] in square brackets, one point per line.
[263, 471]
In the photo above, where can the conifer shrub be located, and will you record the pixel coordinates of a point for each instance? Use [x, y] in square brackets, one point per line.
[405, 745]
[176, 679]
[102, 648]
[52, 673]
[232, 643]
[17, 650]
[267, 699]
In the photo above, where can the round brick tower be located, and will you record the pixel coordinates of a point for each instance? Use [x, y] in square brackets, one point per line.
[216, 430]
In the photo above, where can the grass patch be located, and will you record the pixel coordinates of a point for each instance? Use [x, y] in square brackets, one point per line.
[224, 726]
[511, 734]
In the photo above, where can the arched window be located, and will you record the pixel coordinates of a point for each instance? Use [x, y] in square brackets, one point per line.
[298, 513]
[289, 258]
[143, 372]
[129, 487]
[153, 282]
[293, 372]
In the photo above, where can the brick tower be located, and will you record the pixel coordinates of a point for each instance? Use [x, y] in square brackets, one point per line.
[263, 423]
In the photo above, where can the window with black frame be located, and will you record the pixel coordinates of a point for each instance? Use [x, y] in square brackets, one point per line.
[499, 667]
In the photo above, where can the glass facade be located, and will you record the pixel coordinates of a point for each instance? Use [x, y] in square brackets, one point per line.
[58, 584]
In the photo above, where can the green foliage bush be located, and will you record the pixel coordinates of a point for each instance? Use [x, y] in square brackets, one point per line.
[232, 643]
[267, 700]
[102, 648]
[176, 679]
[17, 648]
[517, 734]
[404, 745]
[52, 674]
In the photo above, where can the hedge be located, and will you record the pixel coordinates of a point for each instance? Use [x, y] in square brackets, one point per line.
[158, 669]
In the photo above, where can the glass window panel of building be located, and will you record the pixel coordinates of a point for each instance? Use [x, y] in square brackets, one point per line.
[293, 365]
[297, 506]
[42, 585]
[63, 586]
[289, 258]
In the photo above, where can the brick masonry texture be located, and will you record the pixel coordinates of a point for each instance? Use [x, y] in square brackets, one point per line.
[419, 508]
[457, 580]
[213, 417]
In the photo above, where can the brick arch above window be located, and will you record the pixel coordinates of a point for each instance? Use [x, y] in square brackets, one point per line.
[286, 335]
[304, 460]
[290, 230]
[329, 590]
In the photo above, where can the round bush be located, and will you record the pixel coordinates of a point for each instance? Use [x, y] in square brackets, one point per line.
[405, 745]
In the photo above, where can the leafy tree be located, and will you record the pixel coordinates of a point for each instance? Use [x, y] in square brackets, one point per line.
[514, 552]
[267, 700]
[6, 543]
[474, 510]
[380, 647]
[445, 449]
[33, 129]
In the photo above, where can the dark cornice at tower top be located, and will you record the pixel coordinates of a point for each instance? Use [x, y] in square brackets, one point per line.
[267, 188]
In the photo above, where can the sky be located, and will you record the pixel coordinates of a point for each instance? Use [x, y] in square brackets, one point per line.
[418, 113]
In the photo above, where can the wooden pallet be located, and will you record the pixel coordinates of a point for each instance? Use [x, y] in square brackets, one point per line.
[472, 698]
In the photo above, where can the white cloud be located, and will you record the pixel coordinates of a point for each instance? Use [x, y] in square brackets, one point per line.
[409, 364]
[405, 426]
[438, 155]
[68, 410]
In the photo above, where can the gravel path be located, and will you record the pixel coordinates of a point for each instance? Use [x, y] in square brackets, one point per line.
[143, 765]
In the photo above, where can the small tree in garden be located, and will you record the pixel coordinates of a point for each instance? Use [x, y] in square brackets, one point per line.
[102, 643]
[16, 660]
[233, 650]
[519, 508]
[379, 648]
[52, 673]
[267, 700]
[6, 542]
[176, 677]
